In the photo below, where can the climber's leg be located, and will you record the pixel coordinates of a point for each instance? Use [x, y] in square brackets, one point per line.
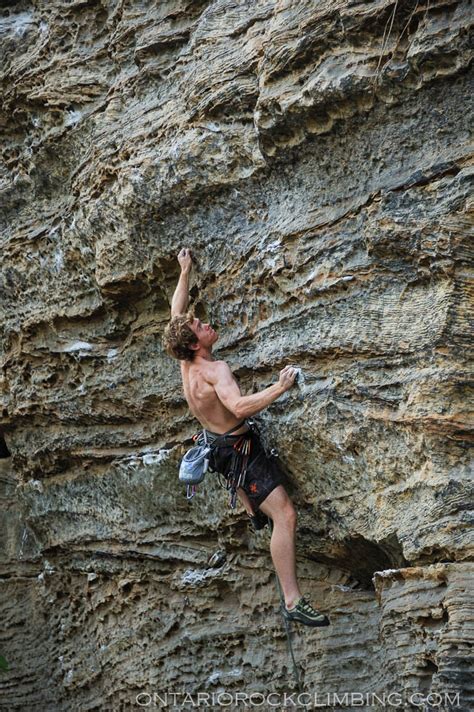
[279, 507]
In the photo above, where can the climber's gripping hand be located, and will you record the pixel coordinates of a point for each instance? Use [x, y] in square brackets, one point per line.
[185, 260]
[287, 378]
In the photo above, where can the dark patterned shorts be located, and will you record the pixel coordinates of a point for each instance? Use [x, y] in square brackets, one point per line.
[263, 471]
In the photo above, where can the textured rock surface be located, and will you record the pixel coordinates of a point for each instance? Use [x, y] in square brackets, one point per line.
[317, 158]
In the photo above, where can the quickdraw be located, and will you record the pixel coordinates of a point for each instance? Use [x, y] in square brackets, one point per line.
[240, 458]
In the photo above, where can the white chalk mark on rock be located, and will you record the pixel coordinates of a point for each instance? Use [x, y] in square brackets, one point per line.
[72, 117]
[77, 346]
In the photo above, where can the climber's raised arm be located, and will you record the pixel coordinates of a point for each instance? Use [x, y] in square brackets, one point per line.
[229, 394]
[180, 301]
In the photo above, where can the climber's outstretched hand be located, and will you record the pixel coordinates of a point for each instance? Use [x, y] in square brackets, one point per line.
[185, 259]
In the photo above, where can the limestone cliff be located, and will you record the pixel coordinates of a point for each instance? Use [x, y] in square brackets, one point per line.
[316, 157]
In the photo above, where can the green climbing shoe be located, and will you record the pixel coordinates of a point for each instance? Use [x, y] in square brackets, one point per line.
[303, 612]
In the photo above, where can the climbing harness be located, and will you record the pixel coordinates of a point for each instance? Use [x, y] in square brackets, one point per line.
[287, 624]
[195, 462]
[242, 450]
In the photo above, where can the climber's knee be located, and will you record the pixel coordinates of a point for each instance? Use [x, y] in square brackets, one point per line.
[279, 507]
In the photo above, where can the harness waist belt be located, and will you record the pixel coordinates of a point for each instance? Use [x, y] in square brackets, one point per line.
[211, 437]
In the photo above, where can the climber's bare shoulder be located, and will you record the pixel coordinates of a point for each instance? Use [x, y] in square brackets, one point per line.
[211, 372]
[200, 381]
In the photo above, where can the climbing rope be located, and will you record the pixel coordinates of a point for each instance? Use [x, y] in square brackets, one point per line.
[287, 624]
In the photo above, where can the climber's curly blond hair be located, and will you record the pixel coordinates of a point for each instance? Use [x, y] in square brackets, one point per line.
[178, 337]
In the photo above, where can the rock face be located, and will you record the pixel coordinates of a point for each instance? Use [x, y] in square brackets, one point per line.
[316, 157]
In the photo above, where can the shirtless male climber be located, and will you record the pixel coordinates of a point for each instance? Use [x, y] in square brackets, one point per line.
[214, 398]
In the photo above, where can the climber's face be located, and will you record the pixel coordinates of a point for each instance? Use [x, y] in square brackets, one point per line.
[205, 333]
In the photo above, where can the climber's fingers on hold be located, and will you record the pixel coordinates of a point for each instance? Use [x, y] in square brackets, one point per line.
[184, 258]
[287, 375]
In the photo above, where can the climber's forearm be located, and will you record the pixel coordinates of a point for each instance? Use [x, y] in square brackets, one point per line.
[228, 391]
[246, 406]
[180, 301]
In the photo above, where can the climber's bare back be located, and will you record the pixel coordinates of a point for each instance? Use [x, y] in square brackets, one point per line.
[202, 398]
